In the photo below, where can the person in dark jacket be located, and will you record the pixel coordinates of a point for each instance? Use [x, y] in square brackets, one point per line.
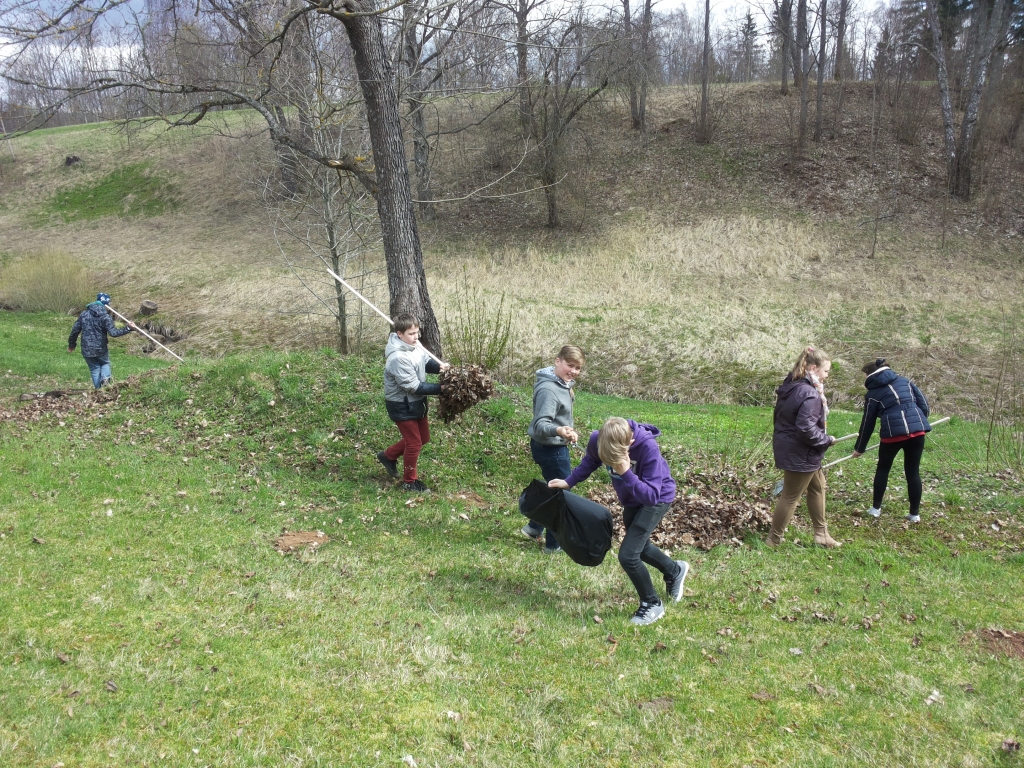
[405, 396]
[552, 429]
[643, 482]
[799, 443]
[94, 325]
[903, 410]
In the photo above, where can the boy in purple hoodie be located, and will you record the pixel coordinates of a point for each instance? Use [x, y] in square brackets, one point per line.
[643, 482]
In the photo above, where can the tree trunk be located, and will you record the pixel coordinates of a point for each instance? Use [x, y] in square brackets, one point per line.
[703, 129]
[339, 290]
[818, 97]
[414, 100]
[645, 61]
[786, 25]
[803, 39]
[794, 51]
[407, 282]
[632, 65]
[988, 39]
[837, 69]
[522, 65]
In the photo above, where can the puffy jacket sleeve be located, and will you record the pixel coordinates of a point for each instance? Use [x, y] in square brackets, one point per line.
[404, 372]
[76, 329]
[590, 463]
[867, 423]
[806, 422]
[921, 400]
[427, 388]
[432, 365]
[112, 330]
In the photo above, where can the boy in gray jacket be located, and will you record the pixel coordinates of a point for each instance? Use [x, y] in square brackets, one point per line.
[405, 391]
[552, 430]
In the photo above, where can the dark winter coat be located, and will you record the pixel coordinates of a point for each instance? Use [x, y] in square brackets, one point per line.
[897, 402]
[95, 324]
[799, 441]
[647, 482]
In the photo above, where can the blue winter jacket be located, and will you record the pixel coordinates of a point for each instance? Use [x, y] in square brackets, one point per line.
[94, 324]
[899, 404]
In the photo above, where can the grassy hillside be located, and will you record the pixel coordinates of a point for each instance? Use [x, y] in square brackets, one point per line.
[146, 618]
[689, 273]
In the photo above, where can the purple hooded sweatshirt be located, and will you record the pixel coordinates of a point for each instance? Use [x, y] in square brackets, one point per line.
[647, 482]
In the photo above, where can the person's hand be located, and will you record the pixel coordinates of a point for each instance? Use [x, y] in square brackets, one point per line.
[556, 483]
[567, 433]
[857, 454]
[70, 350]
[622, 467]
[831, 441]
[445, 366]
[133, 326]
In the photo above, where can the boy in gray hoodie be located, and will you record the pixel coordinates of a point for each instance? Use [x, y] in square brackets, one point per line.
[405, 391]
[552, 430]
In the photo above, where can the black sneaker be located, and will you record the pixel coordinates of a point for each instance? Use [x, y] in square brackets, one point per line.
[416, 486]
[674, 585]
[391, 467]
[648, 613]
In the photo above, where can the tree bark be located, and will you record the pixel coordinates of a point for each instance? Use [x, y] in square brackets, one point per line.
[803, 39]
[631, 66]
[645, 62]
[407, 282]
[786, 27]
[415, 94]
[522, 15]
[819, 95]
[837, 69]
[703, 129]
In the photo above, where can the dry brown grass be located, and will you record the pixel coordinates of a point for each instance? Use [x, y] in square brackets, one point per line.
[698, 275]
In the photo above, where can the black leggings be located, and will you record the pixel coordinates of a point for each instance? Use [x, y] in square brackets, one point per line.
[912, 450]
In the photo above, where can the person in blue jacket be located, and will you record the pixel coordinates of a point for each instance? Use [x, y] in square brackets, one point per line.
[903, 410]
[94, 325]
[643, 482]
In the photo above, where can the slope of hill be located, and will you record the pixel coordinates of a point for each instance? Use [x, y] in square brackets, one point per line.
[688, 273]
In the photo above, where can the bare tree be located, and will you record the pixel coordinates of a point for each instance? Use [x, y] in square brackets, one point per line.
[252, 84]
[703, 135]
[823, 16]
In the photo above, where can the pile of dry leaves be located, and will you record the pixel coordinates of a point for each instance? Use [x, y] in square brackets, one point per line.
[721, 511]
[461, 389]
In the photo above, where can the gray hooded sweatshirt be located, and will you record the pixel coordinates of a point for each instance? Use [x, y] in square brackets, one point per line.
[552, 407]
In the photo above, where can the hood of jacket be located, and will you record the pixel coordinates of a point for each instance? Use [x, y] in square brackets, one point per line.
[881, 378]
[395, 344]
[642, 433]
[97, 309]
[545, 375]
[791, 387]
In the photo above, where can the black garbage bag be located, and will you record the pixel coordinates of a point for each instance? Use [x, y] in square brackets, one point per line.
[583, 527]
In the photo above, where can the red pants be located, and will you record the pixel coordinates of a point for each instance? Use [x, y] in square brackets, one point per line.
[415, 434]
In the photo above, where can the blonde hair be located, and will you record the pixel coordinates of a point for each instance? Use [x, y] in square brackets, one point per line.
[613, 440]
[571, 354]
[810, 356]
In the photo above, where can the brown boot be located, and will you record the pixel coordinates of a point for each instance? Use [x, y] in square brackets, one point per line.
[822, 539]
[772, 540]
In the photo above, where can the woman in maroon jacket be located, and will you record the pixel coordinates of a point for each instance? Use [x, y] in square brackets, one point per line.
[799, 443]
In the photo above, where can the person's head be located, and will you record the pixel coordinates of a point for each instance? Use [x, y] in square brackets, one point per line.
[103, 298]
[613, 440]
[812, 360]
[569, 362]
[875, 365]
[407, 326]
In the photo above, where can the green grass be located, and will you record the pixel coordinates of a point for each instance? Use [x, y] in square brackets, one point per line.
[425, 627]
[34, 355]
[131, 190]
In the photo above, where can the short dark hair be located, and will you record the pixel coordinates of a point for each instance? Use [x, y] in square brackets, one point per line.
[405, 321]
[874, 365]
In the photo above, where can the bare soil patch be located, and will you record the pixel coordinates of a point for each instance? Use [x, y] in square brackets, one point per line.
[292, 541]
[1003, 641]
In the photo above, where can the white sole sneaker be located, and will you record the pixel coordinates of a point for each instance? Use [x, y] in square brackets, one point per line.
[675, 591]
[875, 512]
[913, 518]
[651, 615]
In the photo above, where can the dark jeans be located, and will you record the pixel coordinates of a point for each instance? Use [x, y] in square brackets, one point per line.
[636, 549]
[553, 461]
[912, 450]
[99, 369]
